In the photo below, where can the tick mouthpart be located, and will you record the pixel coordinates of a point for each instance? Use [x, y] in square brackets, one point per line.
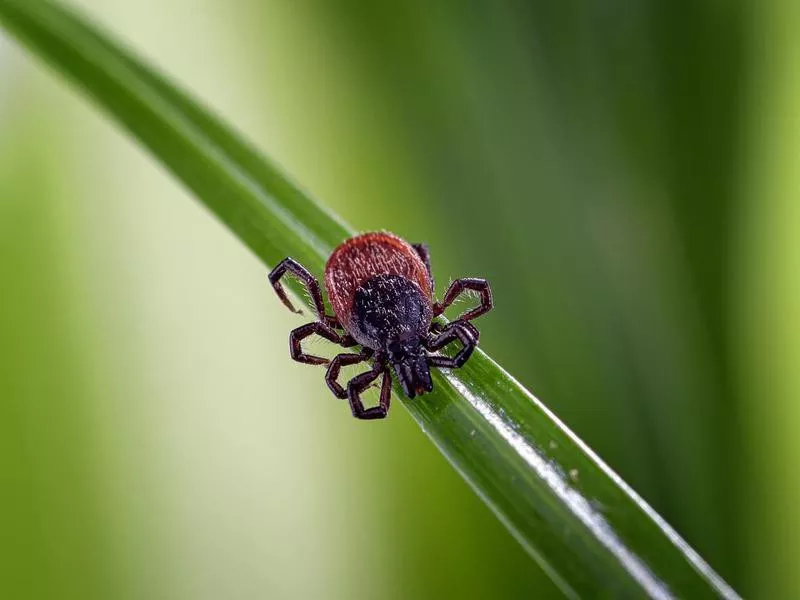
[411, 367]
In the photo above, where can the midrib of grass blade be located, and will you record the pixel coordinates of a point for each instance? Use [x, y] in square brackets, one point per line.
[591, 533]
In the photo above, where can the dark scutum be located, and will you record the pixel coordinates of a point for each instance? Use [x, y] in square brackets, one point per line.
[391, 315]
[390, 309]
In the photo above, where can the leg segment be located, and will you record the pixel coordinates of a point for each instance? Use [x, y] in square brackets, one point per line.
[359, 383]
[343, 360]
[309, 329]
[458, 287]
[422, 250]
[437, 327]
[456, 330]
[292, 267]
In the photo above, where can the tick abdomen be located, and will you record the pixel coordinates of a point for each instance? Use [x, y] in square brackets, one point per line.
[389, 309]
[353, 264]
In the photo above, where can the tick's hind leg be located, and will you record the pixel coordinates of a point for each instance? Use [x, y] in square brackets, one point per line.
[360, 383]
[425, 255]
[456, 330]
[321, 329]
[339, 361]
[458, 287]
[292, 267]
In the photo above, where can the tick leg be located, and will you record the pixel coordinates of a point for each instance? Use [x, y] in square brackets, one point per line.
[359, 383]
[437, 327]
[386, 391]
[458, 287]
[456, 330]
[292, 267]
[339, 361]
[322, 330]
[424, 254]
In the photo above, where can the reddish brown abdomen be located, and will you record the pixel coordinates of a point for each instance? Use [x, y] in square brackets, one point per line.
[361, 258]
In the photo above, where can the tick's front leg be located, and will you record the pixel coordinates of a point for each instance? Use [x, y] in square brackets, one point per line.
[360, 383]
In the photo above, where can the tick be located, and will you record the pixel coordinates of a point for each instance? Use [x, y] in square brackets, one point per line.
[381, 290]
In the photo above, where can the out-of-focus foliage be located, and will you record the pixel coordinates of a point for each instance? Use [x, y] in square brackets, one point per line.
[624, 172]
[49, 487]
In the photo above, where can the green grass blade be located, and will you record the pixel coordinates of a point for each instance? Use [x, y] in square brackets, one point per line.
[583, 525]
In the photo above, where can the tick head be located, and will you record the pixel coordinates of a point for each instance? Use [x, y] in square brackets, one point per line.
[410, 363]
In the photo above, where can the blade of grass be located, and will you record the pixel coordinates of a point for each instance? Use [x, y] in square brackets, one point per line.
[581, 523]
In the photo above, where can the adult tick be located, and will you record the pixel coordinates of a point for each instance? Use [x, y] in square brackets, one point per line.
[381, 290]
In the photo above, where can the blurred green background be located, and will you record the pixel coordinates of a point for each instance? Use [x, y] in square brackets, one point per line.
[627, 175]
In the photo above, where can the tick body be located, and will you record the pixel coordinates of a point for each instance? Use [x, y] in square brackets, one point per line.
[381, 290]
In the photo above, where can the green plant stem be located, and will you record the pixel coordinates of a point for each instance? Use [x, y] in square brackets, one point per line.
[577, 518]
